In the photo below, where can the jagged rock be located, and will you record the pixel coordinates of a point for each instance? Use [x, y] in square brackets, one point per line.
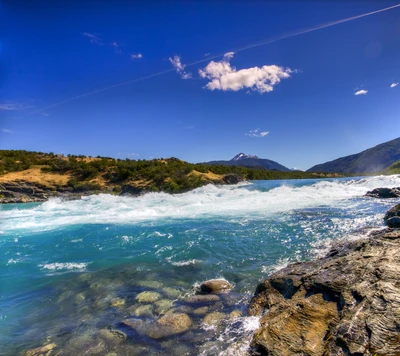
[347, 303]
[384, 193]
[232, 178]
[215, 286]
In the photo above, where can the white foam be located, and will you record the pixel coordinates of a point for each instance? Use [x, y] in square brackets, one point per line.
[59, 266]
[184, 263]
[233, 202]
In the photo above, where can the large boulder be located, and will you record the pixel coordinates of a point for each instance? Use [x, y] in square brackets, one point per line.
[170, 324]
[392, 217]
[384, 193]
[232, 178]
[347, 303]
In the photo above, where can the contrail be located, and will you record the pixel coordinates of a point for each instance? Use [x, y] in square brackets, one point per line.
[254, 45]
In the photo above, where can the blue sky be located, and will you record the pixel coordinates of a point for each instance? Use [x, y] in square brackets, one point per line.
[185, 80]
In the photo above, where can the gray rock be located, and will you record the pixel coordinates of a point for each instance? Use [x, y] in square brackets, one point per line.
[170, 324]
[215, 286]
[384, 193]
[202, 299]
[347, 303]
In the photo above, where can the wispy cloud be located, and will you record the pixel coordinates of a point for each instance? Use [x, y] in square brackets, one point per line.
[12, 107]
[7, 131]
[225, 77]
[93, 38]
[393, 85]
[179, 67]
[136, 56]
[361, 92]
[206, 54]
[133, 155]
[116, 47]
[257, 133]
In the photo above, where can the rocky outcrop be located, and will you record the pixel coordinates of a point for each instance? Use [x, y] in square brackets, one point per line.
[392, 217]
[384, 193]
[24, 192]
[347, 303]
[232, 178]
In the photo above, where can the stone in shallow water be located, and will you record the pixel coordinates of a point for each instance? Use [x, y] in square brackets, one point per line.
[170, 324]
[144, 310]
[148, 297]
[117, 302]
[202, 299]
[113, 335]
[163, 305]
[201, 311]
[215, 286]
[171, 292]
[149, 284]
[42, 351]
[214, 318]
[235, 314]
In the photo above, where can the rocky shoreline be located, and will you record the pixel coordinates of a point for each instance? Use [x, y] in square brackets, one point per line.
[22, 191]
[347, 303]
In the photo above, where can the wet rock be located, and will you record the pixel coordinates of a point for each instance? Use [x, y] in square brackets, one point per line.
[202, 299]
[148, 297]
[392, 217]
[214, 318]
[46, 350]
[347, 303]
[384, 193]
[215, 286]
[170, 324]
[235, 314]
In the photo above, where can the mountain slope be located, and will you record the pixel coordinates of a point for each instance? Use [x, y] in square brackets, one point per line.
[374, 159]
[244, 160]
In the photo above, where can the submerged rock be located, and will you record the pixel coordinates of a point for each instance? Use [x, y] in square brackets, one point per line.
[384, 193]
[214, 318]
[170, 324]
[347, 303]
[202, 299]
[46, 350]
[148, 297]
[215, 286]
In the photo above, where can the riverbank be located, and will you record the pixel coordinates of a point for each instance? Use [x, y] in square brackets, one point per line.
[347, 303]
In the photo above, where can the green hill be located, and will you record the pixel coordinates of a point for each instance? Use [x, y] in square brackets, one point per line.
[372, 160]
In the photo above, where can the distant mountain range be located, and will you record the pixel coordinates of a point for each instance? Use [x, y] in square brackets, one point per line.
[374, 159]
[246, 160]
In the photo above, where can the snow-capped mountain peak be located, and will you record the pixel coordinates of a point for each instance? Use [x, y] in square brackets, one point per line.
[242, 156]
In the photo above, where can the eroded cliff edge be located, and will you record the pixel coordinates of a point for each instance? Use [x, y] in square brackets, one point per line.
[347, 303]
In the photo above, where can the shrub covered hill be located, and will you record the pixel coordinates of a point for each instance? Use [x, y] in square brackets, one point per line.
[372, 160]
[50, 174]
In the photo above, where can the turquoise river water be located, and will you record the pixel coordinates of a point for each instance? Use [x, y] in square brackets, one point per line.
[71, 271]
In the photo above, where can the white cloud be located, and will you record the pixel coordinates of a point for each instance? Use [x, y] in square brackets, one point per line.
[206, 54]
[7, 131]
[225, 77]
[11, 107]
[133, 155]
[179, 67]
[257, 133]
[93, 38]
[136, 56]
[393, 85]
[361, 92]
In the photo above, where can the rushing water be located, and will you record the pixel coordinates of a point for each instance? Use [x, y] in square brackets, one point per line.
[71, 271]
